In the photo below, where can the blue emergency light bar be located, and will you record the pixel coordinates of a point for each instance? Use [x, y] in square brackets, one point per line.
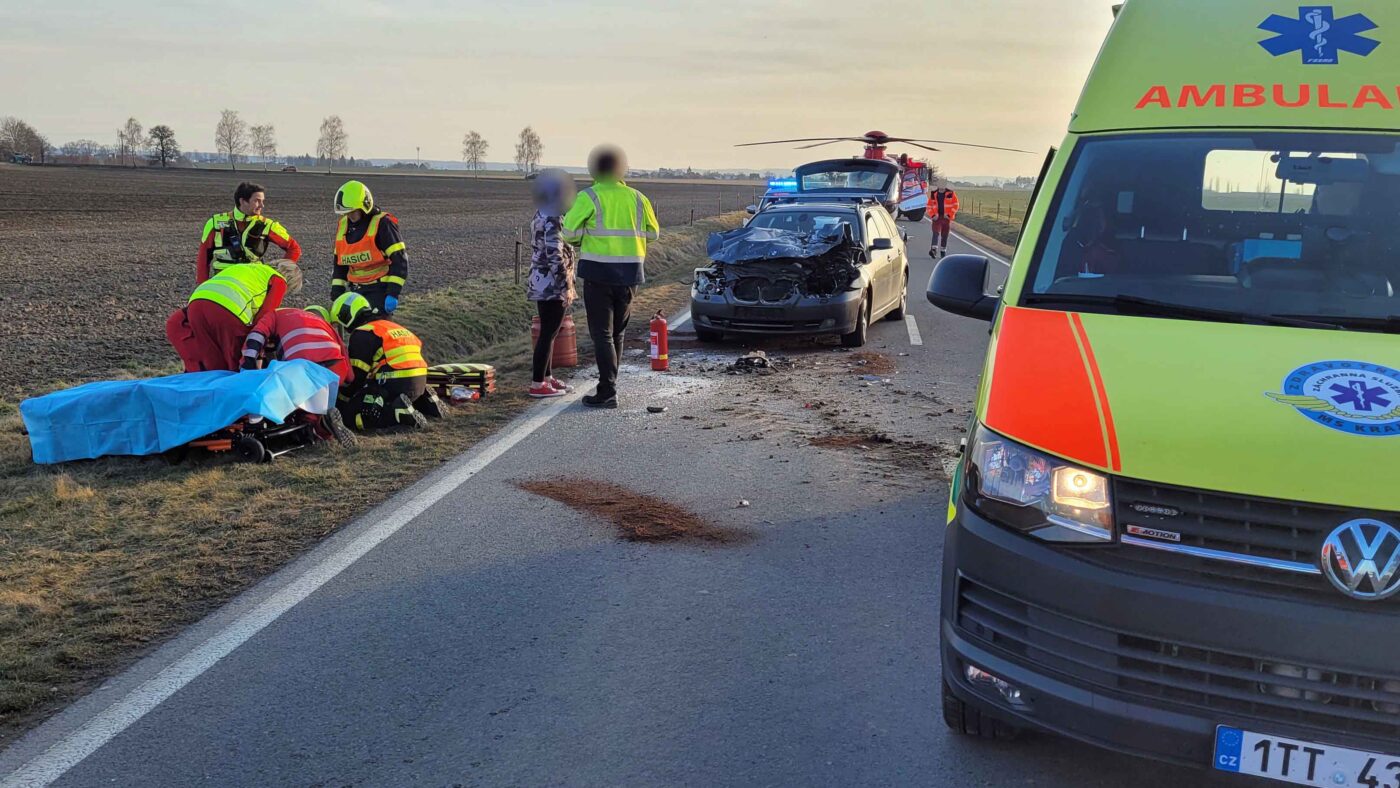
[782, 185]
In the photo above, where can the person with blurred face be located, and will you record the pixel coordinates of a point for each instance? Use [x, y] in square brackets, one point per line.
[242, 236]
[942, 210]
[551, 283]
[611, 223]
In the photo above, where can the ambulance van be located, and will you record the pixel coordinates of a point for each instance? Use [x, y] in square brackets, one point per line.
[1175, 529]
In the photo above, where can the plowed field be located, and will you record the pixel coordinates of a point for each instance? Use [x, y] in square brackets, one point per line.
[97, 258]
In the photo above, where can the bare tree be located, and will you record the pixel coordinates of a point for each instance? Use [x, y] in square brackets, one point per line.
[231, 136]
[164, 149]
[84, 151]
[528, 150]
[334, 142]
[264, 142]
[130, 141]
[474, 148]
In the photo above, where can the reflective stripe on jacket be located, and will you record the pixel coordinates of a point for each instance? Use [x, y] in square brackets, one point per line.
[943, 204]
[611, 222]
[399, 355]
[362, 261]
[302, 335]
[241, 289]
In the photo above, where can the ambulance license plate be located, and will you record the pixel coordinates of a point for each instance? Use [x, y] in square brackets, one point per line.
[1302, 763]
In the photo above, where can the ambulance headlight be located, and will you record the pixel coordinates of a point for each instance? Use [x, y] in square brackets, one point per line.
[1035, 493]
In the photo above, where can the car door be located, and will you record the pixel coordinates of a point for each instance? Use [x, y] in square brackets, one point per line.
[879, 263]
[899, 259]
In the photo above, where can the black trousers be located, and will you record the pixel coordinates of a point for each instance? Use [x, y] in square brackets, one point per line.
[376, 405]
[551, 318]
[609, 309]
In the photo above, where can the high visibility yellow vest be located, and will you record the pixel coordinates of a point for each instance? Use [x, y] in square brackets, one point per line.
[241, 289]
[611, 223]
[253, 239]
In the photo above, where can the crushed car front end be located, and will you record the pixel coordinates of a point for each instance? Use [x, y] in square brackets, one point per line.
[768, 281]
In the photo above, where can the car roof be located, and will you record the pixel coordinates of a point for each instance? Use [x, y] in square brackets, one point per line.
[807, 206]
[1245, 64]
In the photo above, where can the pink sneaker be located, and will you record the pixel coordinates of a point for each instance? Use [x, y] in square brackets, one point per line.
[544, 390]
[559, 384]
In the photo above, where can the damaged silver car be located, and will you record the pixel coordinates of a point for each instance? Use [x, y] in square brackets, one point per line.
[803, 269]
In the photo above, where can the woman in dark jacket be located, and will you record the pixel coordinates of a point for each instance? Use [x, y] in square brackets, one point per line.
[551, 283]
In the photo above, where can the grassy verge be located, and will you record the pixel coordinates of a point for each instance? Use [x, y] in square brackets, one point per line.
[1000, 230]
[101, 560]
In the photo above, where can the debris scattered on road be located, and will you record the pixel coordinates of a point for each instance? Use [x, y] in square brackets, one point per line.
[753, 361]
[656, 409]
[637, 517]
[743, 504]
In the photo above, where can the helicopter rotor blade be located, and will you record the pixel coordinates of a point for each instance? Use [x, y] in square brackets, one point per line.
[784, 142]
[818, 145]
[960, 144]
[917, 145]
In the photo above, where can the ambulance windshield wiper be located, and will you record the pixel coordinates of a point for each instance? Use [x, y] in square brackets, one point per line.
[1384, 325]
[1147, 307]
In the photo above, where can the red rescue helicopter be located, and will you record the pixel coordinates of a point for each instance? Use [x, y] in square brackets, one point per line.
[915, 174]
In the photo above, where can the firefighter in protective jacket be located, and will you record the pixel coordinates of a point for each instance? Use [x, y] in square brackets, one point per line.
[370, 255]
[389, 384]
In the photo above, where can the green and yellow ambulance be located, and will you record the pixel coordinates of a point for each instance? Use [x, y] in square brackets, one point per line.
[1175, 530]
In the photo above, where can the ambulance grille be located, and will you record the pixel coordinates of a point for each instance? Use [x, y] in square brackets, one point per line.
[1282, 533]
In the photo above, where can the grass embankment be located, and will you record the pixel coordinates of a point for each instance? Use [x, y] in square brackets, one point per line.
[100, 560]
[996, 213]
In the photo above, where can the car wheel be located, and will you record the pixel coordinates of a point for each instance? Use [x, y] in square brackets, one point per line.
[916, 216]
[857, 336]
[708, 334]
[967, 721]
[902, 307]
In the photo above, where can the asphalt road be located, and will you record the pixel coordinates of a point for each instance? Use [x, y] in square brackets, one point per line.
[500, 638]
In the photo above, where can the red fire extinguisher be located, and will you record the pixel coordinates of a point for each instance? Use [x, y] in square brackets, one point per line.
[660, 355]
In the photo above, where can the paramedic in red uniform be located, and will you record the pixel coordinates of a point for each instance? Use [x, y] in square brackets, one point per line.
[299, 334]
[242, 236]
[209, 332]
[942, 210]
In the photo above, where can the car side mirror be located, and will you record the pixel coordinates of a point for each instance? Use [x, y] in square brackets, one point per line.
[959, 285]
[751, 210]
[882, 245]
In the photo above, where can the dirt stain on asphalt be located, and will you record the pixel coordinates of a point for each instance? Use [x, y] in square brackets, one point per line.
[637, 517]
[851, 441]
[872, 363]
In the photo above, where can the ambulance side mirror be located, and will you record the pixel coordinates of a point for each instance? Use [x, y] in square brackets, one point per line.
[959, 285]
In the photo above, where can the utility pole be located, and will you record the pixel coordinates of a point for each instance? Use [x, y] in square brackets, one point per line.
[418, 156]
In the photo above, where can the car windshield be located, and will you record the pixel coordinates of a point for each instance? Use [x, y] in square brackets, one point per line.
[865, 180]
[803, 221]
[1294, 228]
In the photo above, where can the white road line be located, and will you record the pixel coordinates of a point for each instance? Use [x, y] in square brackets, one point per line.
[681, 320]
[988, 253]
[914, 337]
[100, 729]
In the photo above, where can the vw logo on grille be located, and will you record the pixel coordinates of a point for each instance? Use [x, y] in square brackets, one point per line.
[1362, 559]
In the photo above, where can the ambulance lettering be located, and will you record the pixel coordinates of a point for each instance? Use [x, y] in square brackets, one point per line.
[1246, 96]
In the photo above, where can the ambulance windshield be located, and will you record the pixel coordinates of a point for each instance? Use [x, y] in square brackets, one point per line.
[1294, 227]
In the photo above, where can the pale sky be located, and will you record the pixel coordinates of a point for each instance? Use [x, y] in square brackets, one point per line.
[676, 84]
